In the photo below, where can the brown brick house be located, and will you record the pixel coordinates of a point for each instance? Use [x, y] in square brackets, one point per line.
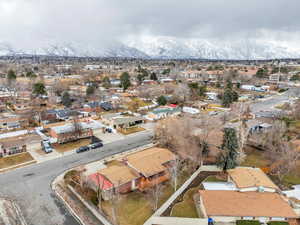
[137, 171]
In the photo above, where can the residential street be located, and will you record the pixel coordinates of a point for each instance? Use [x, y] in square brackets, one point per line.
[30, 186]
[269, 103]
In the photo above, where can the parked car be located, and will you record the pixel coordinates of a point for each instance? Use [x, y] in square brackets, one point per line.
[96, 145]
[47, 147]
[213, 113]
[82, 149]
[109, 130]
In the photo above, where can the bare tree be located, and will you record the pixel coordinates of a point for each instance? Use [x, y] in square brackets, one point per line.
[186, 145]
[174, 172]
[114, 199]
[77, 127]
[283, 158]
[155, 193]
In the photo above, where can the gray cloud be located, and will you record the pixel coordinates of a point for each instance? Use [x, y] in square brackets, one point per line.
[31, 23]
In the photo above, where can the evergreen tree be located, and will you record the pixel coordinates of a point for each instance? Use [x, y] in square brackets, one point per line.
[153, 76]
[229, 84]
[90, 90]
[202, 91]
[66, 100]
[227, 98]
[30, 74]
[162, 100]
[11, 75]
[125, 80]
[228, 157]
[166, 71]
[106, 82]
[140, 78]
[39, 89]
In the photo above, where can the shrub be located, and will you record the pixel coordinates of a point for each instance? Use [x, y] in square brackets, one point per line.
[247, 222]
[278, 223]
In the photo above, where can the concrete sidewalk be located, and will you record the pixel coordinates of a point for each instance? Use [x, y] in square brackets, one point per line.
[165, 206]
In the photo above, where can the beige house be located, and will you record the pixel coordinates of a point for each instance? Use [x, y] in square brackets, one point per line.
[251, 179]
[230, 206]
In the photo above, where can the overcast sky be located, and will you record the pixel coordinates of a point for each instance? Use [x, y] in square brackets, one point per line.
[28, 23]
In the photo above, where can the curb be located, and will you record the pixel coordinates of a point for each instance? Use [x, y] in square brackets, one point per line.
[69, 208]
[109, 158]
[19, 165]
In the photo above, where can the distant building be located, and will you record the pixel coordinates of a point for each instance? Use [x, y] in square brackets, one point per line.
[92, 67]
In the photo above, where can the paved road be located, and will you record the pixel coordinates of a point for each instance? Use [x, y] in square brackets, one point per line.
[30, 186]
[271, 102]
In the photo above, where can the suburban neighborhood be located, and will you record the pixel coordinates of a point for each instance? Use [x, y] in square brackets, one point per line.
[149, 112]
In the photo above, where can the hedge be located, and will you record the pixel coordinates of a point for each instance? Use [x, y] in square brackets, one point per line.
[248, 222]
[278, 223]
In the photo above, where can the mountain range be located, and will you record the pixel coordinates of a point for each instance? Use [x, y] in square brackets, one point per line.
[165, 48]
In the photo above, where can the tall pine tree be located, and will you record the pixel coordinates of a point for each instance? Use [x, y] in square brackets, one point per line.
[228, 157]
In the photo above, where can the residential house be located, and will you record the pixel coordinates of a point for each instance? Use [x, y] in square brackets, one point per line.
[70, 132]
[92, 67]
[251, 179]
[274, 78]
[294, 196]
[116, 120]
[11, 123]
[78, 90]
[97, 106]
[229, 206]
[153, 164]
[149, 82]
[132, 173]
[11, 144]
[163, 112]
[166, 80]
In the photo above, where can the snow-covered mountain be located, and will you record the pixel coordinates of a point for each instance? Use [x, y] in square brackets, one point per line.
[164, 47]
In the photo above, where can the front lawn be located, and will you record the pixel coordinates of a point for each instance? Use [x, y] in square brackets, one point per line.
[132, 209]
[187, 207]
[131, 130]
[15, 160]
[72, 145]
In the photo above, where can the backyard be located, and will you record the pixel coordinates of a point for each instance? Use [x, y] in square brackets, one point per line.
[256, 158]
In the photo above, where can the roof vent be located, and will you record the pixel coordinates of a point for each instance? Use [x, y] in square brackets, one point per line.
[261, 189]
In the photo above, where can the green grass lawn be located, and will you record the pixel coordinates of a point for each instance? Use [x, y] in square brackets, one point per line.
[214, 179]
[255, 158]
[187, 207]
[15, 160]
[133, 209]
